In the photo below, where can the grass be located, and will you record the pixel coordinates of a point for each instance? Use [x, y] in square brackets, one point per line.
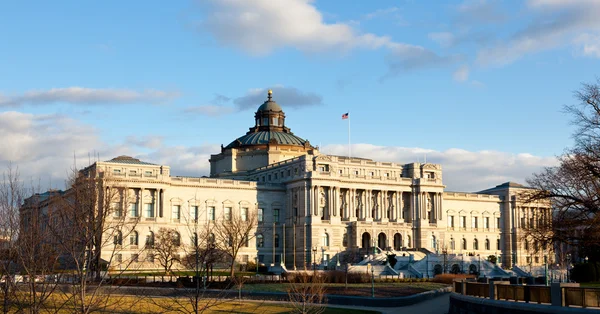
[151, 305]
[590, 285]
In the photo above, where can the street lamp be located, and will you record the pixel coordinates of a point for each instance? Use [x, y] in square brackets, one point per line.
[372, 281]
[256, 259]
[314, 258]
[568, 264]
[586, 259]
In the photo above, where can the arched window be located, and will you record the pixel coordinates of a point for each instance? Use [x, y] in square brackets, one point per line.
[408, 242]
[150, 240]
[452, 247]
[487, 244]
[133, 238]
[433, 242]
[176, 238]
[118, 238]
[260, 240]
[326, 239]
[397, 242]
[464, 244]
[475, 244]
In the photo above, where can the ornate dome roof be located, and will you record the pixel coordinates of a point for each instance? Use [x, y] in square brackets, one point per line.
[270, 104]
[269, 128]
[267, 137]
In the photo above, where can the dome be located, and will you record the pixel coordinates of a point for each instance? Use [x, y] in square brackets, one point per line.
[266, 137]
[270, 104]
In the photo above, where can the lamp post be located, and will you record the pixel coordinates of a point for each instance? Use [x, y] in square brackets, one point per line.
[314, 258]
[568, 264]
[372, 281]
[256, 259]
[427, 264]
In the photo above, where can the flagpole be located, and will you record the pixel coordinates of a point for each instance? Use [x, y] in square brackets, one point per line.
[349, 145]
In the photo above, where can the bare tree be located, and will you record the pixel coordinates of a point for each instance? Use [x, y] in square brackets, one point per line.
[11, 198]
[573, 186]
[166, 248]
[307, 293]
[233, 231]
[83, 234]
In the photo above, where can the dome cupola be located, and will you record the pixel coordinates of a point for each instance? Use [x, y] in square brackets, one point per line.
[269, 115]
[269, 128]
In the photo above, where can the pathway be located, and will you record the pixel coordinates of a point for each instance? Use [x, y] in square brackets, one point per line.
[437, 305]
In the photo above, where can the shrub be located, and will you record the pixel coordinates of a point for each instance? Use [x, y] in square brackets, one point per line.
[449, 278]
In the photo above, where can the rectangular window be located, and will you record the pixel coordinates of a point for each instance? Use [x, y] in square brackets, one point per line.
[116, 207]
[276, 215]
[474, 222]
[227, 214]
[149, 210]
[497, 222]
[260, 214]
[117, 171]
[147, 173]
[118, 258]
[150, 258]
[486, 222]
[134, 258]
[244, 213]
[463, 221]
[133, 209]
[211, 213]
[451, 221]
[194, 212]
[176, 212]
[133, 172]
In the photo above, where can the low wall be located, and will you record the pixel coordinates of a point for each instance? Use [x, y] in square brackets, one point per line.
[462, 304]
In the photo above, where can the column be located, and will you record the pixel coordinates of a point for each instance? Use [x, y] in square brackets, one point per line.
[334, 201]
[399, 201]
[155, 203]
[368, 201]
[140, 202]
[352, 203]
[315, 192]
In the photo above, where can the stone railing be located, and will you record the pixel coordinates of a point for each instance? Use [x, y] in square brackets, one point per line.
[556, 295]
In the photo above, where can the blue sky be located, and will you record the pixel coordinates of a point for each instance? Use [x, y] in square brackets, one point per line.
[477, 86]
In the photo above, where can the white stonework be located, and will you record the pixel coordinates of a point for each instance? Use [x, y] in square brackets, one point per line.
[329, 207]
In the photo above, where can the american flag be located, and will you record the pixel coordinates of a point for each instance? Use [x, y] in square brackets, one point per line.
[345, 116]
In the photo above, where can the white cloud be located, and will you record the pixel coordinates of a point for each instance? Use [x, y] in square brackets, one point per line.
[291, 97]
[461, 74]
[554, 25]
[43, 147]
[589, 45]
[462, 170]
[260, 27]
[151, 142]
[444, 39]
[87, 96]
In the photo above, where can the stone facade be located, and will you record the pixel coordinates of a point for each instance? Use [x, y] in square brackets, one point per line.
[316, 208]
